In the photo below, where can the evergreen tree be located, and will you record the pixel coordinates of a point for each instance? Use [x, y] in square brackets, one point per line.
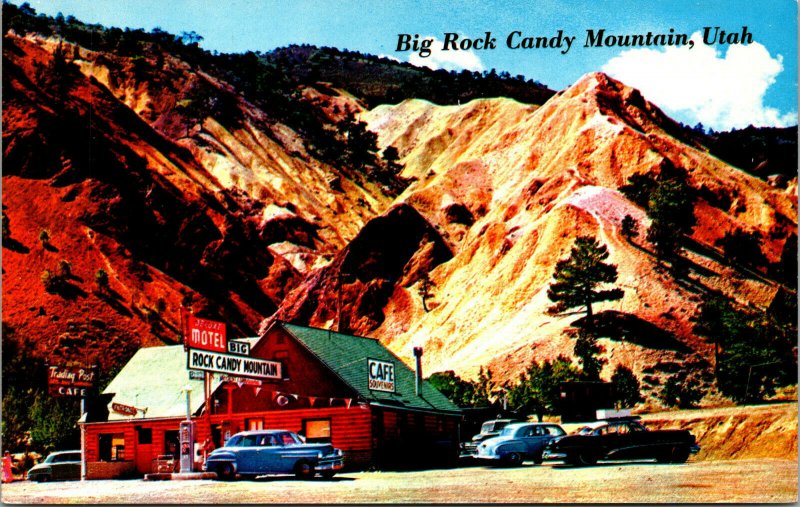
[459, 391]
[578, 276]
[484, 388]
[587, 350]
[538, 390]
[627, 390]
[754, 351]
[682, 392]
[101, 279]
[424, 289]
[671, 210]
[630, 227]
[743, 248]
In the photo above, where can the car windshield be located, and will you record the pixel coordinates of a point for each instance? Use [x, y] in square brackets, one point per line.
[507, 431]
[586, 430]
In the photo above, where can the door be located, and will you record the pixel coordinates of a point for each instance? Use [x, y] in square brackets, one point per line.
[247, 454]
[144, 450]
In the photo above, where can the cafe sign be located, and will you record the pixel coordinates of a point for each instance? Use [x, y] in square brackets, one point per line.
[70, 381]
[380, 375]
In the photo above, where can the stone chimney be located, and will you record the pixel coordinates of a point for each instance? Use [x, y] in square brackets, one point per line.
[418, 369]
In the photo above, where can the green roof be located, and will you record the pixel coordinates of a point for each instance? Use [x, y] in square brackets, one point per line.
[337, 351]
[154, 380]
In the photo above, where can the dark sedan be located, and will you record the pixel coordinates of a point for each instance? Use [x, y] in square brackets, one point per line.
[263, 452]
[622, 439]
[58, 466]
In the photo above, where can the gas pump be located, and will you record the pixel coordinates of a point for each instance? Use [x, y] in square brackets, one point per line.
[187, 446]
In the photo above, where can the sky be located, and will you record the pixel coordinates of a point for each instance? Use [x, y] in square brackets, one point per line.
[746, 78]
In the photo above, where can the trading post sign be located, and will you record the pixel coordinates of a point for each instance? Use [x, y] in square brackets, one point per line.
[239, 366]
[206, 335]
[70, 381]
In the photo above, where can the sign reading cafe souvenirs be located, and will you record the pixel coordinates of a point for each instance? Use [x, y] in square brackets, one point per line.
[206, 335]
[75, 381]
[381, 375]
[240, 366]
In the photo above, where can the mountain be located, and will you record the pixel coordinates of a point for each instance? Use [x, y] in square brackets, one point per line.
[509, 187]
[222, 214]
[143, 175]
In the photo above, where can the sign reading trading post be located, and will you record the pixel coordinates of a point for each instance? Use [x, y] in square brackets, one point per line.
[72, 381]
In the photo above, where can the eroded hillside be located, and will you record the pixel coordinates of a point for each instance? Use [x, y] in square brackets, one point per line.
[511, 186]
[107, 167]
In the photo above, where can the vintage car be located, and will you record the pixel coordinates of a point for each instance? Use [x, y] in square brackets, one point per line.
[519, 442]
[264, 452]
[58, 466]
[489, 429]
[621, 439]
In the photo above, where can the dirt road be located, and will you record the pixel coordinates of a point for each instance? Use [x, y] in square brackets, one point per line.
[743, 481]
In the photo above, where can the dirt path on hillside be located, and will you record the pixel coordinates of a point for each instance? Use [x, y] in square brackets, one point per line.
[744, 432]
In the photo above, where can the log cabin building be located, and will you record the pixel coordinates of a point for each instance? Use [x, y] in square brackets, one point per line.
[347, 390]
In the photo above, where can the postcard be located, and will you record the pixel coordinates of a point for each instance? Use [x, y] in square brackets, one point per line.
[399, 252]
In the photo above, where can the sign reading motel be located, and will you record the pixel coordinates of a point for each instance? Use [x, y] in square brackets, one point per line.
[206, 335]
[239, 366]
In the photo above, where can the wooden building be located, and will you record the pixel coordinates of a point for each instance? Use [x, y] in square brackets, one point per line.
[347, 390]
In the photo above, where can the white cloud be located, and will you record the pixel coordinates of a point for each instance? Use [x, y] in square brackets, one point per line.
[702, 84]
[447, 60]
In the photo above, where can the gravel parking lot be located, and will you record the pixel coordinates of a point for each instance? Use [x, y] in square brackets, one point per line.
[743, 481]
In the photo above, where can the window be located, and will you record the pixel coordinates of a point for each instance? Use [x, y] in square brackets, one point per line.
[248, 441]
[144, 435]
[287, 439]
[267, 441]
[282, 356]
[317, 430]
[171, 442]
[111, 446]
[254, 424]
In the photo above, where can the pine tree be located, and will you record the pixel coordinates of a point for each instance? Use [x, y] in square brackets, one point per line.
[627, 389]
[587, 350]
[630, 227]
[577, 278]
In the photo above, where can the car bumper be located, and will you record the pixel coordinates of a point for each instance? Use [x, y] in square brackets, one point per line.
[336, 463]
[694, 449]
[468, 450]
[553, 455]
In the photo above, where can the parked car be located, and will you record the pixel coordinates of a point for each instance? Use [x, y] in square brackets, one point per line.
[489, 429]
[263, 452]
[519, 442]
[58, 466]
[622, 439]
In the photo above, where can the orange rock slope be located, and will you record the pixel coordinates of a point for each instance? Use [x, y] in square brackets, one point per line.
[531, 180]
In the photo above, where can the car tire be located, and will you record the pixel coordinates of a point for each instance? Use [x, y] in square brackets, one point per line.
[327, 474]
[513, 459]
[42, 478]
[225, 472]
[679, 455]
[538, 460]
[304, 470]
[587, 458]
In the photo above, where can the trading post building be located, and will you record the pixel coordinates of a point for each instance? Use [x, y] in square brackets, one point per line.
[327, 386]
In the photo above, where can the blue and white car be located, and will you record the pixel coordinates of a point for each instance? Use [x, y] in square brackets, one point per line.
[519, 442]
[265, 452]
